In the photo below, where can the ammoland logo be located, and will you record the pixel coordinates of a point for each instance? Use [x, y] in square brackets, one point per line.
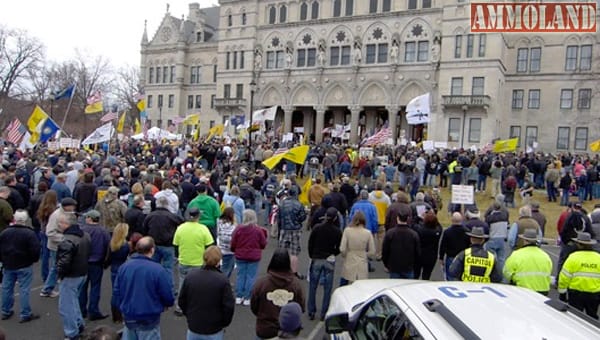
[550, 17]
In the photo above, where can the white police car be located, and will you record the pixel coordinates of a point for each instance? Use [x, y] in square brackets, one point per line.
[410, 309]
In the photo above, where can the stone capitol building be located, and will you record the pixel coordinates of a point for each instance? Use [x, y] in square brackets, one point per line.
[359, 62]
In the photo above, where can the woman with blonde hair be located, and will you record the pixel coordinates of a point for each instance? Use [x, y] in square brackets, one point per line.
[356, 247]
[136, 189]
[119, 251]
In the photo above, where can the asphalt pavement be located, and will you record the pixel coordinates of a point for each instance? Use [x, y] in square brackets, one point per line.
[49, 326]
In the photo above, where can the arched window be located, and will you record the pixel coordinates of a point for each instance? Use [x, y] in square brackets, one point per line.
[314, 12]
[303, 11]
[349, 7]
[283, 13]
[387, 5]
[229, 20]
[272, 15]
[373, 6]
[337, 8]
[244, 18]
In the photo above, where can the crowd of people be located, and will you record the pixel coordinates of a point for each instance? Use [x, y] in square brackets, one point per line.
[158, 214]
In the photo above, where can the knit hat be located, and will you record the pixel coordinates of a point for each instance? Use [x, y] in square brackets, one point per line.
[290, 317]
[68, 201]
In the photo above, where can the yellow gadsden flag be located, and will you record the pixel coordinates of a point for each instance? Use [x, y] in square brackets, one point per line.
[296, 155]
[138, 126]
[37, 117]
[216, 130]
[193, 119]
[121, 122]
[506, 145]
[595, 146]
[303, 197]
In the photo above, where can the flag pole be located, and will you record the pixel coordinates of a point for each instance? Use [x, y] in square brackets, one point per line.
[68, 109]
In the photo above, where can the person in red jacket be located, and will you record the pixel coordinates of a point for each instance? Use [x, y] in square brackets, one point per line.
[247, 242]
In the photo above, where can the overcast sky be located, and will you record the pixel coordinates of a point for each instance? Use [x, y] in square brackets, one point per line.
[111, 28]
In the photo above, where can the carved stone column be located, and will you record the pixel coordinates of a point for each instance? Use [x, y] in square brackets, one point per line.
[355, 112]
[392, 120]
[320, 120]
[287, 118]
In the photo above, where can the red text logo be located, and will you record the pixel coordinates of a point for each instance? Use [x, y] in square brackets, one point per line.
[555, 17]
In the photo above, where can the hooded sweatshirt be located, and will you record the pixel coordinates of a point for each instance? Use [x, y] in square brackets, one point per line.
[270, 293]
[209, 208]
[381, 202]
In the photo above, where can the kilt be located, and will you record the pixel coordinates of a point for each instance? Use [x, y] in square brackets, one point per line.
[290, 240]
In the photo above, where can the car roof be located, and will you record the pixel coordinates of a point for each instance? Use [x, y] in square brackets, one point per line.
[491, 311]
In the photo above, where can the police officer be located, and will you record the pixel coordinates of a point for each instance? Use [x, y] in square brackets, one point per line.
[580, 276]
[475, 264]
[529, 266]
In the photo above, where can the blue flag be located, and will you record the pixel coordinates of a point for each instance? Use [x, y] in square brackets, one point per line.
[48, 130]
[66, 93]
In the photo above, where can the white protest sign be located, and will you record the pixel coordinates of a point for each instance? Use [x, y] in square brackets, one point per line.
[75, 143]
[52, 145]
[64, 142]
[299, 129]
[287, 137]
[462, 194]
[440, 145]
[428, 145]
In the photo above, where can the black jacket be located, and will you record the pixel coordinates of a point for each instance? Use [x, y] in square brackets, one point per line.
[338, 201]
[161, 225]
[19, 247]
[34, 205]
[134, 217]
[429, 239]
[86, 195]
[324, 241]
[401, 249]
[206, 300]
[454, 240]
[73, 253]
[458, 264]
[15, 199]
[349, 193]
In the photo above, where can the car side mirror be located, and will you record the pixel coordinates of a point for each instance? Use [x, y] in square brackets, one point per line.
[336, 323]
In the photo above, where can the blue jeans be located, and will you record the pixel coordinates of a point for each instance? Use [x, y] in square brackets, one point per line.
[195, 336]
[166, 257]
[496, 245]
[403, 275]
[44, 255]
[183, 271]
[481, 182]
[564, 198]
[227, 264]
[68, 304]
[24, 276]
[245, 278]
[50, 282]
[94, 282]
[320, 271]
[447, 264]
[551, 191]
[113, 276]
[141, 333]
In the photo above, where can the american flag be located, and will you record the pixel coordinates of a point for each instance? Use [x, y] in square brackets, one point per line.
[109, 116]
[94, 98]
[378, 138]
[280, 151]
[139, 96]
[16, 131]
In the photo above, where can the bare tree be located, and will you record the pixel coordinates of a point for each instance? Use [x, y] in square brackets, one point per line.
[126, 86]
[19, 52]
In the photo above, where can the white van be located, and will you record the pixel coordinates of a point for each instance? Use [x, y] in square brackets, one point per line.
[410, 309]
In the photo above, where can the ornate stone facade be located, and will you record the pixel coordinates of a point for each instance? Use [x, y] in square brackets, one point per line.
[327, 62]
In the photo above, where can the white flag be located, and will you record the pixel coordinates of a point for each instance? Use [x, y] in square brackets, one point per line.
[100, 135]
[25, 144]
[264, 114]
[418, 110]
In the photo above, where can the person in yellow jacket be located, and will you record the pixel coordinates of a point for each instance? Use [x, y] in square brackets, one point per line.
[530, 266]
[580, 277]
[475, 264]
[381, 201]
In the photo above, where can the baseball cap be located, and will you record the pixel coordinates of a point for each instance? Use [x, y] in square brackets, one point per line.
[93, 214]
[68, 201]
